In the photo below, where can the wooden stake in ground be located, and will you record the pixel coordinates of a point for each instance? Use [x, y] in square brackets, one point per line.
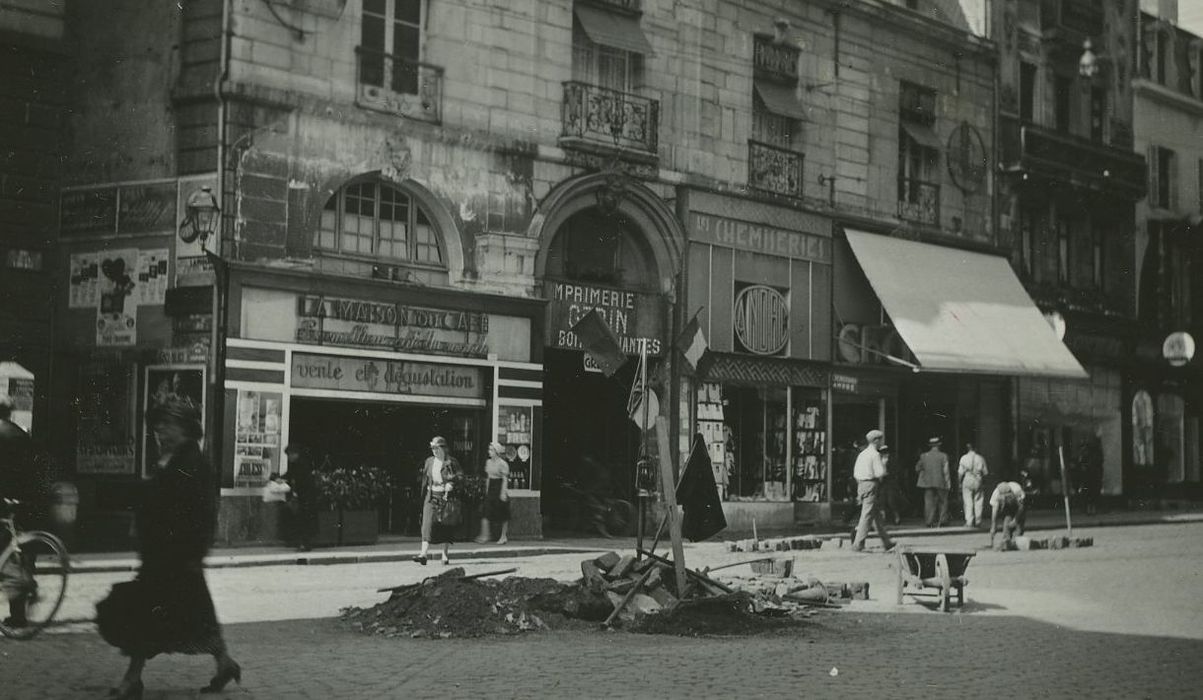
[670, 502]
[629, 596]
[1069, 528]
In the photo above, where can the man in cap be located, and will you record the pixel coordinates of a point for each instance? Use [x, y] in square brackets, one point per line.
[868, 471]
[932, 468]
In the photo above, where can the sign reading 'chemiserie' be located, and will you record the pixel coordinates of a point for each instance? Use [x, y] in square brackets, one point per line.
[312, 371]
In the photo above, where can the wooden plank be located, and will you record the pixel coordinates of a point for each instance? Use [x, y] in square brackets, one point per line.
[670, 501]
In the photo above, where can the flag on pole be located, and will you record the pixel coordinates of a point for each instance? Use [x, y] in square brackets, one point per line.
[635, 400]
[703, 511]
[599, 342]
[692, 343]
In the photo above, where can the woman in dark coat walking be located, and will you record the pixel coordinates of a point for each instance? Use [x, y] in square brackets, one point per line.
[167, 609]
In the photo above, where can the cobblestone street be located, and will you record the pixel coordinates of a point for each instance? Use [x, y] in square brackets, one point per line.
[1120, 619]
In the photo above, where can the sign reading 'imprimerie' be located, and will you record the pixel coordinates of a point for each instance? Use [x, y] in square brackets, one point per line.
[385, 376]
[633, 316]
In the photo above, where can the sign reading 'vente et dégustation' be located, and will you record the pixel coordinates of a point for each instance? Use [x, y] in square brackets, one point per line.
[364, 374]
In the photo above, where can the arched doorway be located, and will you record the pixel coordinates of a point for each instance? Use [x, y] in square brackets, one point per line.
[618, 261]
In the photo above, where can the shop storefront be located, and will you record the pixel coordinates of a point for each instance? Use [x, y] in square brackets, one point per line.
[364, 374]
[933, 359]
[759, 283]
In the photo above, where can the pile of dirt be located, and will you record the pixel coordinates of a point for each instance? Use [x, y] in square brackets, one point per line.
[448, 605]
[725, 615]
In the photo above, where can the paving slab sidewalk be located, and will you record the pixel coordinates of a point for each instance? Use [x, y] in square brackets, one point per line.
[401, 549]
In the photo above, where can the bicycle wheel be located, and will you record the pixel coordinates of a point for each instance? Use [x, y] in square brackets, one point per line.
[42, 589]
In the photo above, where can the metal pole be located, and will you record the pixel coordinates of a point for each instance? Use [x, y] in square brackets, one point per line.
[1069, 528]
[640, 492]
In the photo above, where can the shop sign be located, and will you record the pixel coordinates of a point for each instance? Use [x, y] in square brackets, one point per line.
[863, 344]
[757, 238]
[761, 319]
[842, 382]
[633, 316]
[385, 376]
[353, 322]
[1178, 348]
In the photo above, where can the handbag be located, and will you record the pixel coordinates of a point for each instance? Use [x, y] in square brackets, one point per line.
[448, 512]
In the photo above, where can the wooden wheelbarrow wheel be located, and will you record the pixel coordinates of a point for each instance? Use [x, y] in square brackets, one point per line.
[945, 577]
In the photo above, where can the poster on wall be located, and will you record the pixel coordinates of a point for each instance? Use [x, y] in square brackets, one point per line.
[151, 280]
[117, 312]
[83, 286]
[105, 438]
[165, 383]
[257, 446]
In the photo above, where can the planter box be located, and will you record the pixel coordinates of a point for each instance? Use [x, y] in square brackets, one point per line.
[338, 528]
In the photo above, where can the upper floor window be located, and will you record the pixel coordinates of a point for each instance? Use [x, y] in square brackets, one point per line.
[378, 219]
[1163, 178]
[1063, 94]
[608, 47]
[391, 27]
[1063, 250]
[1027, 92]
[1098, 113]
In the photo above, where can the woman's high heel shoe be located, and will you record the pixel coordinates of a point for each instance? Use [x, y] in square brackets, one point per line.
[133, 691]
[230, 672]
[421, 559]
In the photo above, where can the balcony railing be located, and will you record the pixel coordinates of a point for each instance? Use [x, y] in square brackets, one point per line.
[609, 117]
[778, 62]
[398, 85]
[1055, 155]
[774, 169]
[631, 6]
[919, 201]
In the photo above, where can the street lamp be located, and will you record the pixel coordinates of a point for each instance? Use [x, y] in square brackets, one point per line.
[203, 216]
[1090, 62]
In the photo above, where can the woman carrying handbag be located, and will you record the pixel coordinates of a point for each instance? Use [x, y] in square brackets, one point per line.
[441, 511]
[167, 609]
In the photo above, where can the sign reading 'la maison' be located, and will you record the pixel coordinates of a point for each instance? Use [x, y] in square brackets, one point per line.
[326, 320]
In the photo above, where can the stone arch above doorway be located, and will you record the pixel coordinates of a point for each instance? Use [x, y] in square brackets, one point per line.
[638, 204]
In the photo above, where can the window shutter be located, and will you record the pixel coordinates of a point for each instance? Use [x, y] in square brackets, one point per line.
[1151, 162]
[1171, 184]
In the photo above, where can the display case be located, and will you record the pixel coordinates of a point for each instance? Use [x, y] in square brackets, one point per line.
[515, 432]
[715, 433]
[809, 443]
[257, 447]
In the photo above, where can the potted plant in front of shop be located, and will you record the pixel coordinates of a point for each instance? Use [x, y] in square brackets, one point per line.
[471, 491]
[349, 499]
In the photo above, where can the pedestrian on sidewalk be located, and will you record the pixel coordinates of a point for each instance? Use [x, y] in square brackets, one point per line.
[21, 481]
[932, 468]
[167, 608]
[892, 500]
[497, 496]
[1007, 501]
[868, 471]
[439, 473]
[972, 472]
[303, 481]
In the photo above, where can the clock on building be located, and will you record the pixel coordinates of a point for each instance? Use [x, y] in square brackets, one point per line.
[967, 161]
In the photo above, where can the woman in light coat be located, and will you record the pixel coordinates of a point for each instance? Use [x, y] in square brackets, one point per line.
[439, 474]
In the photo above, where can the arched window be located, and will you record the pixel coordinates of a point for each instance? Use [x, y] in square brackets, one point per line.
[380, 220]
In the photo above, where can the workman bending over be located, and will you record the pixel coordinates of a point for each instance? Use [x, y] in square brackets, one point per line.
[1007, 501]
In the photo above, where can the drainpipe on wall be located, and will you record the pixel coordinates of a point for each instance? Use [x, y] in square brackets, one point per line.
[220, 271]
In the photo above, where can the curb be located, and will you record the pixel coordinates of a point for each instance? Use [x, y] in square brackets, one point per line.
[331, 559]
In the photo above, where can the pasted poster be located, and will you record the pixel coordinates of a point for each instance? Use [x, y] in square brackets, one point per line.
[117, 313]
[151, 280]
[106, 437]
[83, 287]
[257, 443]
[169, 383]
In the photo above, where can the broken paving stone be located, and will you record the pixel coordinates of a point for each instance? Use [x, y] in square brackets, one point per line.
[621, 586]
[594, 579]
[1058, 542]
[623, 567]
[663, 597]
[1083, 542]
[607, 561]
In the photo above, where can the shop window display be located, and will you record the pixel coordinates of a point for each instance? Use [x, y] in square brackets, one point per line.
[257, 442]
[809, 446]
[515, 425]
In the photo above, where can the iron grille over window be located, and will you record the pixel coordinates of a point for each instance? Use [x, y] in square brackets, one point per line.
[379, 220]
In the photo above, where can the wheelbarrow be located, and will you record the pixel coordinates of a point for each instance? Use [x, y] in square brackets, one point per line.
[943, 571]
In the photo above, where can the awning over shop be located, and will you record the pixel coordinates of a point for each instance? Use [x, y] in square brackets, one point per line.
[612, 29]
[780, 99]
[924, 135]
[960, 311]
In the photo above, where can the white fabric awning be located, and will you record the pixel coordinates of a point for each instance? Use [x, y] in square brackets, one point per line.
[960, 311]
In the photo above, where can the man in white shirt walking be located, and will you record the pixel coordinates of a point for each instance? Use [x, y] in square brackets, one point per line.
[868, 472]
[972, 473]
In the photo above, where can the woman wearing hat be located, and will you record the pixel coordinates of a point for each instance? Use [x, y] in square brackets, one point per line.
[497, 499]
[167, 609]
[438, 477]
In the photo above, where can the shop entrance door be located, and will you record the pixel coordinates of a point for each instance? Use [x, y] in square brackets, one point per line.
[589, 441]
[392, 436]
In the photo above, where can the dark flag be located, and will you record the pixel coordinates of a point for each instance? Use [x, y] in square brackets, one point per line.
[599, 342]
[698, 496]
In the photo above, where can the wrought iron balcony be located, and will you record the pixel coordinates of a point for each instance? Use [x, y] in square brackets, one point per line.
[775, 61]
[398, 85]
[1054, 155]
[919, 201]
[774, 169]
[631, 6]
[609, 118]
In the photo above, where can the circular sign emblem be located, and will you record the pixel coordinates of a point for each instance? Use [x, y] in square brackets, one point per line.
[967, 163]
[761, 319]
[1178, 348]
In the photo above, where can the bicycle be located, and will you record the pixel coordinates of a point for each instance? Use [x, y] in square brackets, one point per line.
[33, 567]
